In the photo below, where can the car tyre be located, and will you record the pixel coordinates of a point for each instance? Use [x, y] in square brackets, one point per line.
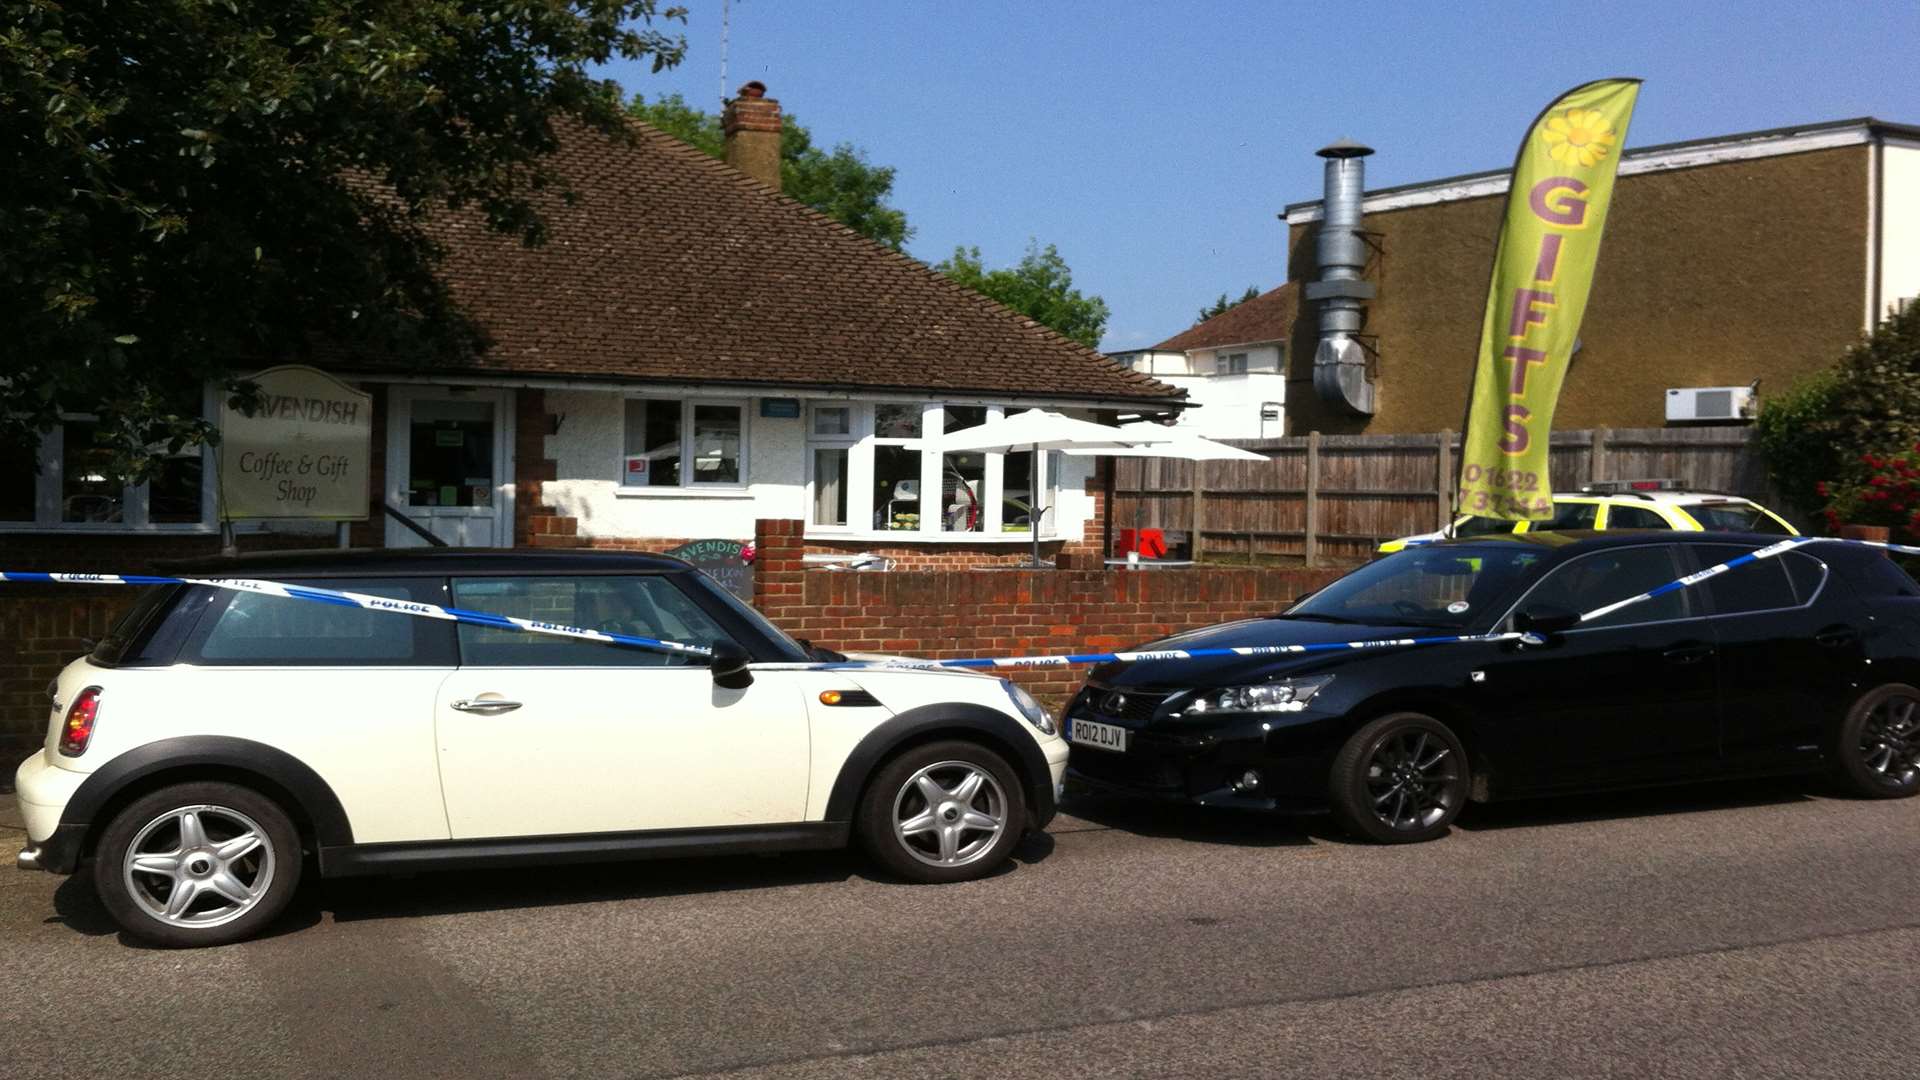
[942, 812]
[1878, 755]
[1401, 779]
[197, 864]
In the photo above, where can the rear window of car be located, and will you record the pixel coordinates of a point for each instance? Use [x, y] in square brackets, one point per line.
[1568, 515]
[1877, 575]
[253, 629]
[639, 605]
[1635, 517]
[112, 649]
[1735, 517]
[1483, 526]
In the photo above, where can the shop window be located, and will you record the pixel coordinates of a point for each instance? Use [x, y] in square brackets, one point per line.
[673, 443]
[72, 485]
[869, 473]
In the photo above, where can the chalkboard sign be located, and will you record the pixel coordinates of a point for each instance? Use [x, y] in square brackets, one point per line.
[725, 561]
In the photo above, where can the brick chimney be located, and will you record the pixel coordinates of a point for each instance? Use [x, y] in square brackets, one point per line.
[751, 123]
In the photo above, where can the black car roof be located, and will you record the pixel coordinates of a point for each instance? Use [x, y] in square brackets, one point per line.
[1571, 540]
[402, 562]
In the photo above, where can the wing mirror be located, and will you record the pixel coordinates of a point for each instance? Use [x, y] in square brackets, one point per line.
[1545, 620]
[728, 663]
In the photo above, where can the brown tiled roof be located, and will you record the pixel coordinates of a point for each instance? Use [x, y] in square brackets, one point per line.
[672, 266]
[1267, 317]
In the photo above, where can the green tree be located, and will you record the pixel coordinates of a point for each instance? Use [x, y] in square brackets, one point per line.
[1826, 437]
[191, 185]
[840, 183]
[1224, 305]
[1040, 287]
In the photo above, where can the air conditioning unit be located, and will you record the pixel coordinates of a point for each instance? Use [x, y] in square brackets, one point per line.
[1710, 403]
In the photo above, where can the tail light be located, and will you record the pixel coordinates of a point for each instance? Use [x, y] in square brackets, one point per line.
[78, 730]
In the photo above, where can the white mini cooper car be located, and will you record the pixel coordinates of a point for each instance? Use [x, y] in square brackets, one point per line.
[217, 738]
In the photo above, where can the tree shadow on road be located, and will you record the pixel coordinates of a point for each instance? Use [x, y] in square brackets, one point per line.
[1200, 824]
[1703, 797]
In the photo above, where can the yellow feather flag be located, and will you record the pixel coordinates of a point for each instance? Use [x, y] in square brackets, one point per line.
[1549, 243]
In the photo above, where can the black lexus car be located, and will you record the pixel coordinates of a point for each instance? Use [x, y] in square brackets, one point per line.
[1807, 662]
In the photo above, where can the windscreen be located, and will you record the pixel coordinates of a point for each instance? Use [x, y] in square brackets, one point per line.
[1735, 517]
[1443, 586]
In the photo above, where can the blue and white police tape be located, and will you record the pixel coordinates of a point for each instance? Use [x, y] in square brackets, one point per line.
[376, 603]
[536, 626]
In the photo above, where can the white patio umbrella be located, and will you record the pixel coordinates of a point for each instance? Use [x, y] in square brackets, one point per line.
[1179, 444]
[1173, 443]
[1037, 430]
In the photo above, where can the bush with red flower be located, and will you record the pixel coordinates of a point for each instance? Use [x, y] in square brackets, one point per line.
[1844, 444]
[1887, 492]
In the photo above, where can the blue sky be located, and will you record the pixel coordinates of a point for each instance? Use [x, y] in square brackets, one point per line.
[1154, 144]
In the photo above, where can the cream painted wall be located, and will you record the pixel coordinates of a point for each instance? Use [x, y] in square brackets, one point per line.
[587, 455]
[1900, 224]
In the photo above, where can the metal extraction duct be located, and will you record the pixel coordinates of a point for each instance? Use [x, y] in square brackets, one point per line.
[1340, 360]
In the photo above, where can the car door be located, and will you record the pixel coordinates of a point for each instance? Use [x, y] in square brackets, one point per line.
[347, 691]
[1625, 698]
[542, 735]
[1790, 647]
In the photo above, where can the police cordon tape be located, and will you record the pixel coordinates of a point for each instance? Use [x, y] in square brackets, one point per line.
[537, 626]
[373, 603]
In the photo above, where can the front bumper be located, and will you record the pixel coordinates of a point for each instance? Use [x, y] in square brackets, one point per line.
[1207, 768]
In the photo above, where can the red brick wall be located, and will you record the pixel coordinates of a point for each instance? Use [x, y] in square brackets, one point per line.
[42, 627]
[953, 613]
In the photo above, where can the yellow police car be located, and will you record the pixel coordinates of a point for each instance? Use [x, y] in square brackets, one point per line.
[1628, 504]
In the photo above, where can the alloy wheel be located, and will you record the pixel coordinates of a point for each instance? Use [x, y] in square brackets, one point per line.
[1412, 780]
[949, 813]
[1890, 740]
[199, 866]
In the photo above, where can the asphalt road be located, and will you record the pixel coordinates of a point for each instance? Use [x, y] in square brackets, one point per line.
[1747, 931]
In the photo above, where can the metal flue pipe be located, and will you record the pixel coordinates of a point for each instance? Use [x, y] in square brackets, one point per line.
[1339, 361]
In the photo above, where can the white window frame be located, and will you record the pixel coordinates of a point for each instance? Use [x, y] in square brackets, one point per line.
[861, 444]
[136, 499]
[1232, 363]
[689, 485]
[855, 479]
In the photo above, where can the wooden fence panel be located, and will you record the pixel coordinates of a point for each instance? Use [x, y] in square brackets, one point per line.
[1365, 489]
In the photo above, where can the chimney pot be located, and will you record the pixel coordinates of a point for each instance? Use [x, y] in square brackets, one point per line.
[751, 124]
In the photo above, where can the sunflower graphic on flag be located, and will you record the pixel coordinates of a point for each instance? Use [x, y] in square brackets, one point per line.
[1579, 137]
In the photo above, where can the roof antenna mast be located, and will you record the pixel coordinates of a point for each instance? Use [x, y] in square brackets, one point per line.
[725, 21]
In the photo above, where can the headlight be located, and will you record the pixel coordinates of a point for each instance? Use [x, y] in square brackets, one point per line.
[1035, 713]
[1287, 695]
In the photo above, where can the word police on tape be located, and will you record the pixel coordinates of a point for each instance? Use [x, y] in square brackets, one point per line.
[536, 626]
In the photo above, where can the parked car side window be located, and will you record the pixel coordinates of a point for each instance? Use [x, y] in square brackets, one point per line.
[640, 605]
[1735, 517]
[1604, 577]
[241, 628]
[1757, 586]
[1808, 574]
[1568, 515]
[1635, 517]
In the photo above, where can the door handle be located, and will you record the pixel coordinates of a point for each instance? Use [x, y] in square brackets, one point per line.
[485, 706]
[1838, 637]
[1688, 654]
